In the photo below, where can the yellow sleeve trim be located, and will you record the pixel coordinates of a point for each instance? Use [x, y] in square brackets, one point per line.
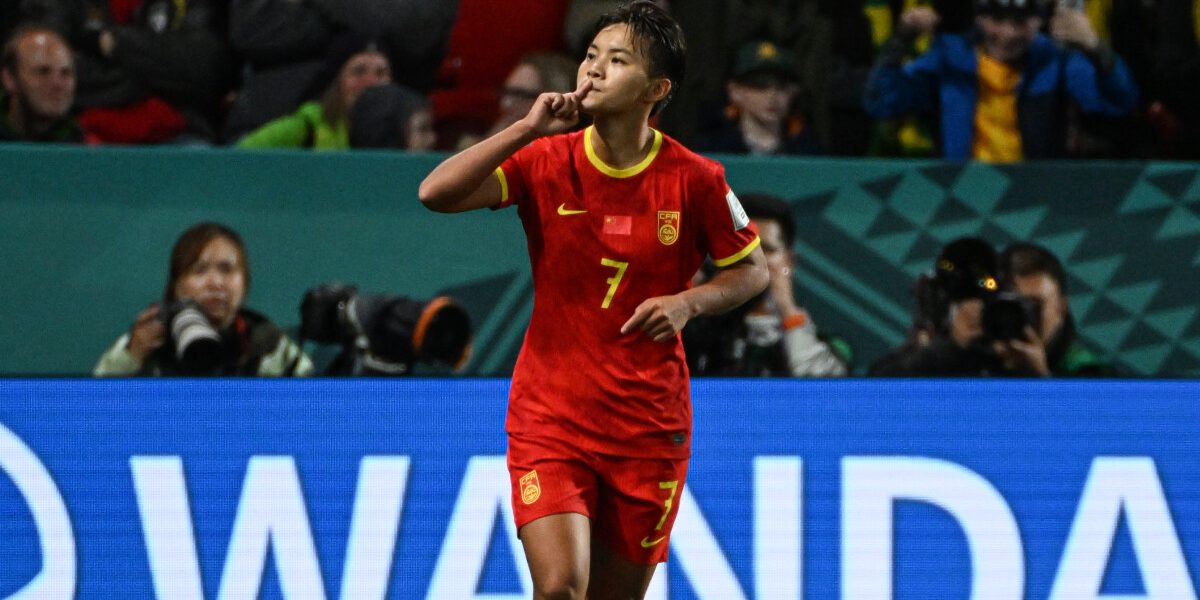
[612, 171]
[503, 185]
[729, 260]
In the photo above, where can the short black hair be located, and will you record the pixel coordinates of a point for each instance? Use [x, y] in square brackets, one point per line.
[1021, 259]
[9, 59]
[768, 206]
[652, 25]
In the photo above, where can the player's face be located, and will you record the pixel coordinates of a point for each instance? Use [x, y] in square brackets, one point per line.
[44, 81]
[619, 73]
[1043, 288]
[217, 282]
[1007, 39]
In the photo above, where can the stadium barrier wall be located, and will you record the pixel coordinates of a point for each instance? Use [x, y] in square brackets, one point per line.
[85, 235]
[371, 489]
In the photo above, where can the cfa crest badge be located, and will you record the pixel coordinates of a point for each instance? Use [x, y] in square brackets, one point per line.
[668, 226]
[531, 490]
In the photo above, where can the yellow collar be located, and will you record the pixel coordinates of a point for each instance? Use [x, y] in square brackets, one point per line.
[612, 171]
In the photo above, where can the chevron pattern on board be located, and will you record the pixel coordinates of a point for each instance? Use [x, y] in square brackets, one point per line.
[1129, 237]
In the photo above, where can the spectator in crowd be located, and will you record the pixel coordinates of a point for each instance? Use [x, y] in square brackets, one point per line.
[1001, 90]
[947, 337]
[1053, 349]
[208, 272]
[761, 118]
[772, 335]
[155, 74]
[478, 61]
[1130, 28]
[829, 40]
[285, 42]
[355, 63]
[391, 116]
[1178, 73]
[38, 73]
[537, 72]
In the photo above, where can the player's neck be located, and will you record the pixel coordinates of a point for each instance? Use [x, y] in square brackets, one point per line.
[622, 141]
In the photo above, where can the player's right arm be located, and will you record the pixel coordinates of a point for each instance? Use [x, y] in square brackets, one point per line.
[467, 181]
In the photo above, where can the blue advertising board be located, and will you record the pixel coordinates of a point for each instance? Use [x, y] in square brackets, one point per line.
[370, 489]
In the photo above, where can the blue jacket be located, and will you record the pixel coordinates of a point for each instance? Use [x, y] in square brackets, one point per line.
[946, 77]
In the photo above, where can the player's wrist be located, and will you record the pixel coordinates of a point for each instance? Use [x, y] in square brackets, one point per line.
[524, 131]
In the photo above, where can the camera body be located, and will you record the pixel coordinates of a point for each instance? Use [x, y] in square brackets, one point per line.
[1007, 314]
[195, 343]
[384, 335]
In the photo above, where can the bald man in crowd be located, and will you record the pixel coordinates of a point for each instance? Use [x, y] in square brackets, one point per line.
[38, 73]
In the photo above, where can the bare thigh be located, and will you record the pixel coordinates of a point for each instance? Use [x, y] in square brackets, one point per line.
[558, 549]
[615, 578]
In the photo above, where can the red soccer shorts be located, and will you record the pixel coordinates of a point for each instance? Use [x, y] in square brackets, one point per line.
[632, 502]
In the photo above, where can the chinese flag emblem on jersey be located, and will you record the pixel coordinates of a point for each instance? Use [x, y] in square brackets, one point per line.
[531, 490]
[668, 226]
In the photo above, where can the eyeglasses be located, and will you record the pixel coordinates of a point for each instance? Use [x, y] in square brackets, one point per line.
[520, 93]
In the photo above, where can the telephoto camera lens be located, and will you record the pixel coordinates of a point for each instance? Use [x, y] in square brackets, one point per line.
[197, 343]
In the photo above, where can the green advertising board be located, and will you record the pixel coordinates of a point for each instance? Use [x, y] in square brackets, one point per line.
[85, 234]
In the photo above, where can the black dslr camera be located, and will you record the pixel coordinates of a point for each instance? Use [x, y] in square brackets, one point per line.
[384, 335]
[196, 343]
[1007, 314]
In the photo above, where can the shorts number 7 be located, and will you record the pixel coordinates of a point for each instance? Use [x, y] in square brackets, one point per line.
[663, 485]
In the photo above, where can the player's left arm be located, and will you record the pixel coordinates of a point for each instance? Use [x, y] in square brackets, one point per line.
[663, 317]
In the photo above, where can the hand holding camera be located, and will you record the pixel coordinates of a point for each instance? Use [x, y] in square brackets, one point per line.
[1027, 355]
[1011, 322]
[147, 334]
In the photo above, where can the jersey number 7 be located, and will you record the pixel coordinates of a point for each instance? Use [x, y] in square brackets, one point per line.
[613, 281]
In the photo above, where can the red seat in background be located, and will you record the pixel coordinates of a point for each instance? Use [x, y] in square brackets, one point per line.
[486, 42]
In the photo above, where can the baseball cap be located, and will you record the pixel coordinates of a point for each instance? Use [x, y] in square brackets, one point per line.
[966, 268]
[764, 57]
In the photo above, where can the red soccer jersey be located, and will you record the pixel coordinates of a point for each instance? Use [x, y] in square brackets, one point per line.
[601, 241]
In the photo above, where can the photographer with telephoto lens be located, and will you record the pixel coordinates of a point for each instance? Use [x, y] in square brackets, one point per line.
[964, 326]
[201, 328]
[1036, 278]
[384, 335]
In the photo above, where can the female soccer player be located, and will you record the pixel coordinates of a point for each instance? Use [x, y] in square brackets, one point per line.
[618, 217]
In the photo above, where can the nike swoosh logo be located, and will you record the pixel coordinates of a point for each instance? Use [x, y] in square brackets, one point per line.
[646, 543]
[564, 211]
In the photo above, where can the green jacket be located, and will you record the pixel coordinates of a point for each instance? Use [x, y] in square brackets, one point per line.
[66, 130]
[1078, 361]
[305, 128]
[257, 348]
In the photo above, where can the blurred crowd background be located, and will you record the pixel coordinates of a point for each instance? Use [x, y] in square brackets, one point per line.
[996, 81]
[915, 78]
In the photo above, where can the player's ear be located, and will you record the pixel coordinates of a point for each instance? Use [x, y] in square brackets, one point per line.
[659, 89]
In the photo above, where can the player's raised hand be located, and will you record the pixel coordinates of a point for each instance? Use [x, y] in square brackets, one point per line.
[555, 112]
[660, 318]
